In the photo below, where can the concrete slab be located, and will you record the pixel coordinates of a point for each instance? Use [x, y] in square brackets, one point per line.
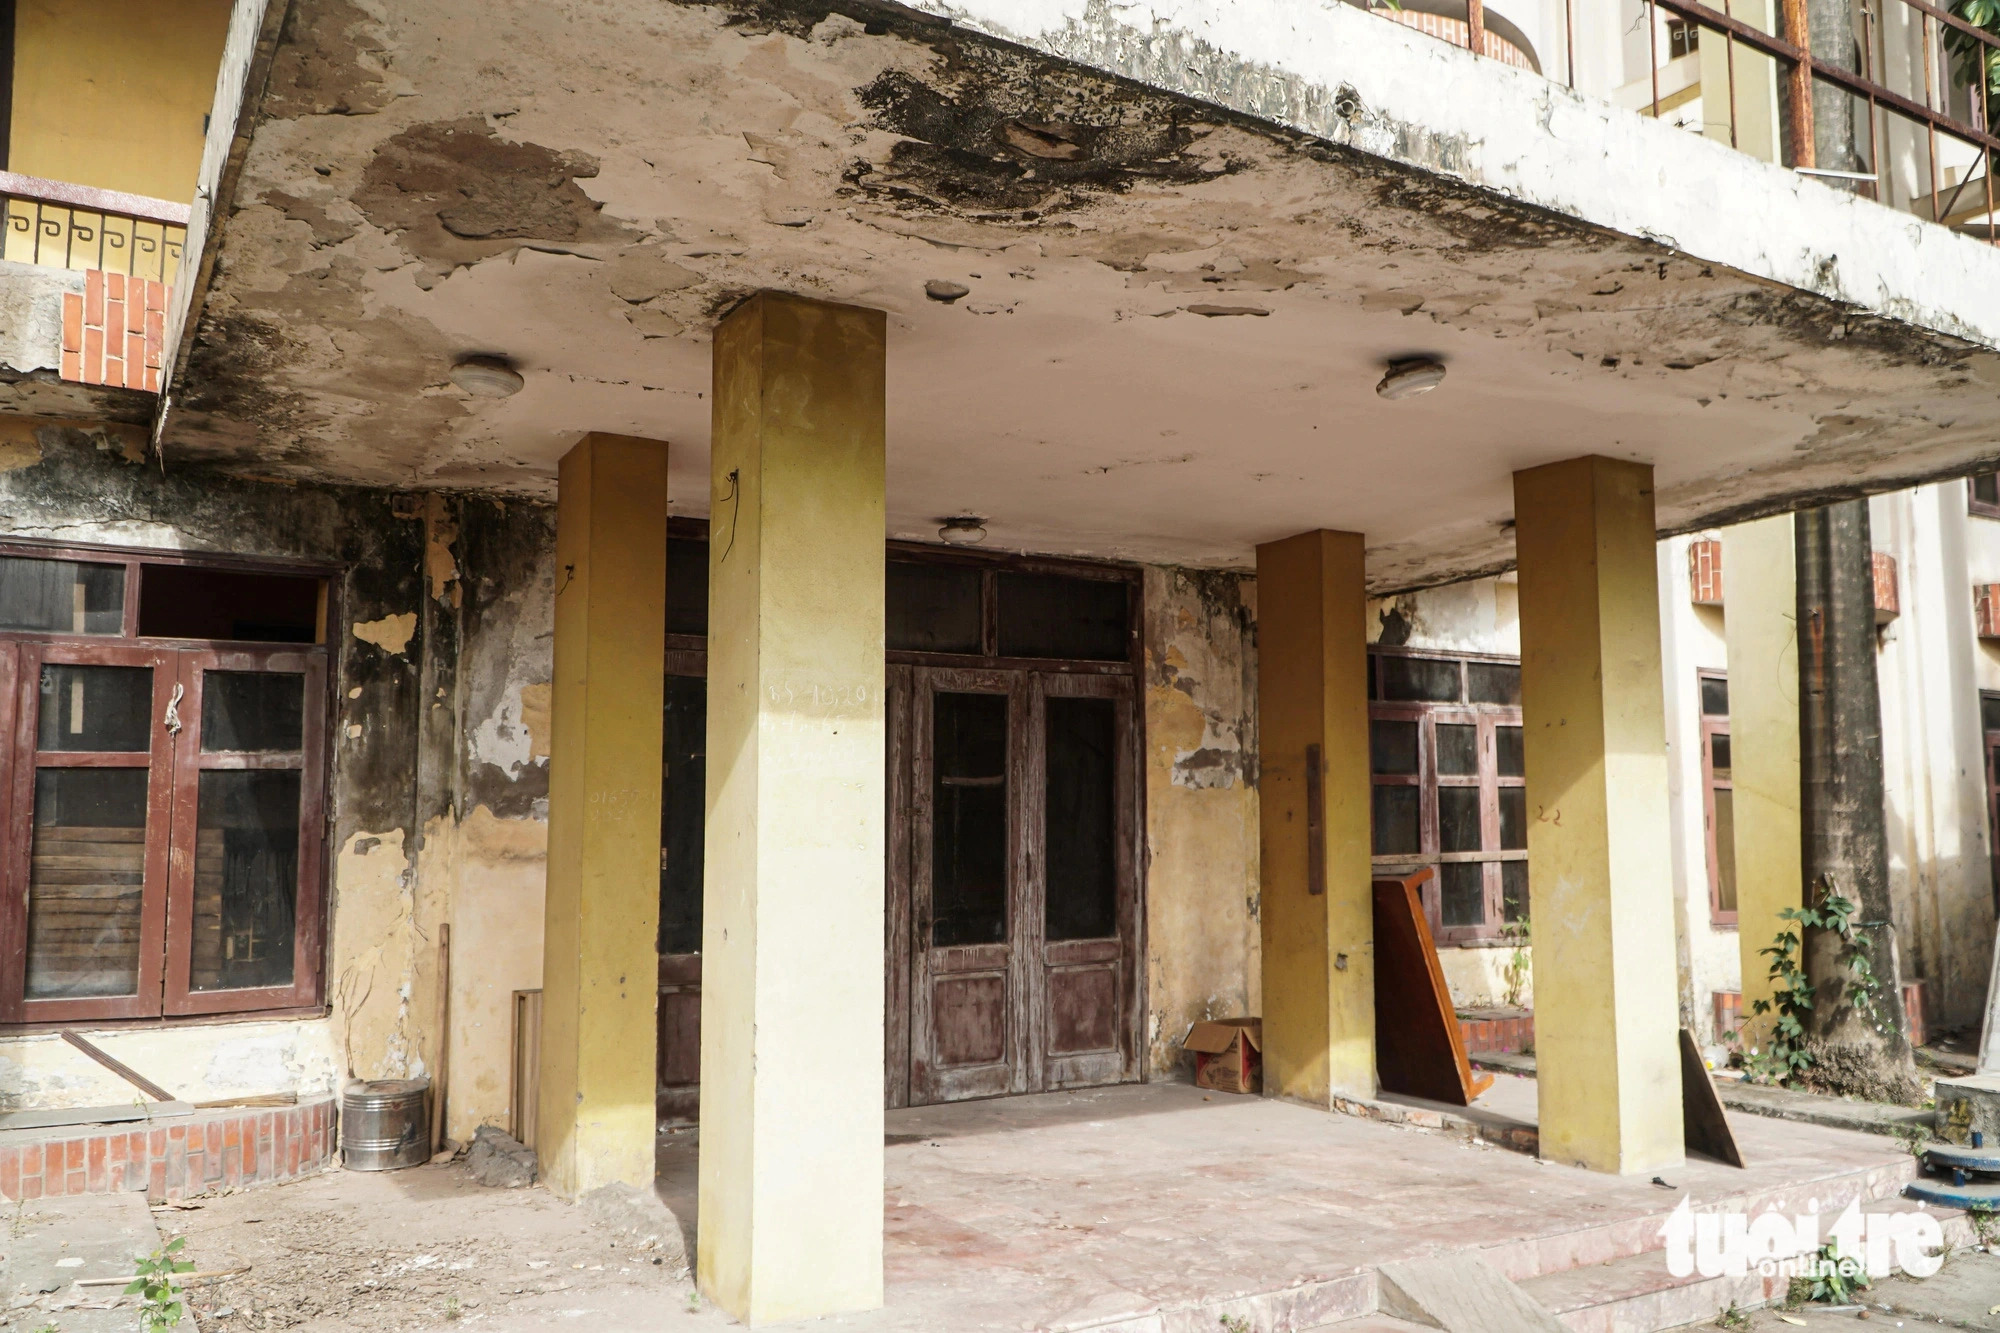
[57, 1241]
[1460, 1293]
[1162, 1207]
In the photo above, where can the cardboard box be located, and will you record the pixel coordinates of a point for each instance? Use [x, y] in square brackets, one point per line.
[1228, 1054]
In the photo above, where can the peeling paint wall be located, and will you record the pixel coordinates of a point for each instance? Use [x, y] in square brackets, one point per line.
[1931, 667]
[1203, 946]
[440, 667]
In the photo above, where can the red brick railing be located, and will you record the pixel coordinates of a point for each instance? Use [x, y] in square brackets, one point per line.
[170, 1159]
[113, 331]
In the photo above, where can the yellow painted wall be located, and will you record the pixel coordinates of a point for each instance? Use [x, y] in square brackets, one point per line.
[1760, 606]
[1203, 946]
[111, 93]
[1593, 712]
[1319, 950]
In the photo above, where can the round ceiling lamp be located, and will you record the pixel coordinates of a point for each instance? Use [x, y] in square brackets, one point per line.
[1408, 378]
[486, 377]
[964, 530]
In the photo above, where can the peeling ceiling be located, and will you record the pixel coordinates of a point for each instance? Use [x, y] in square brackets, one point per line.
[1122, 323]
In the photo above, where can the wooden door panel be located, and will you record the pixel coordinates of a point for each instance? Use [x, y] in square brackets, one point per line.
[967, 996]
[969, 1018]
[1083, 1010]
[1088, 1016]
[683, 799]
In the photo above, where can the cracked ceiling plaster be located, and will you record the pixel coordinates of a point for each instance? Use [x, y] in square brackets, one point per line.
[1172, 320]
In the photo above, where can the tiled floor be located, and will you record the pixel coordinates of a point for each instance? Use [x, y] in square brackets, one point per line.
[1166, 1206]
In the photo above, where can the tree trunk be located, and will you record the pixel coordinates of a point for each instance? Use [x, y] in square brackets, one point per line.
[1843, 832]
[1836, 146]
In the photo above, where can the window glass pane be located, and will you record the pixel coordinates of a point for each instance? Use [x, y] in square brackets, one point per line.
[186, 602]
[969, 819]
[1462, 890]
[1986, 488]
[1514, 891]
[1395, 819]
[61, 597]
[1050, 615]
[1714, 697]
[1718, 750]
[246, 879]
[262, 711]
[687, 586]
[1509, 761]
[1373, 691]
[1082, 894]
[1418, 679]
[1725, 850]
[683, 813]
[1493, 683]
[1989, 711]
[933, 608]
[1513, 819]
[1458, 749]
[86, 882]
[1458, 819]
[1392, 747]
[95, 708]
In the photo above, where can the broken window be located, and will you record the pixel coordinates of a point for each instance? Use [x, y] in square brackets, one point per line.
[969, 819]
[1445, 754]
[1719, 798]
[1983, 494]
[172, 793]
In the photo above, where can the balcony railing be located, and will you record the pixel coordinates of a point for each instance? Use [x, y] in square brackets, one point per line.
[128, 250]
[1922, 77]
[58, 225]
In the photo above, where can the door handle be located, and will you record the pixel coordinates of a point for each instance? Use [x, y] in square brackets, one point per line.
[172, 721]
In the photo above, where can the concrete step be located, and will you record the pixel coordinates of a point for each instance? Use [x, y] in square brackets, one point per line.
[56, 1241]
[1539, 1256]
[1374, 1323]
[1639, 1295]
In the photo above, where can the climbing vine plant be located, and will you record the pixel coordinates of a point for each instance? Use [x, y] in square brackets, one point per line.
[1968, 51]
[1788, 1054]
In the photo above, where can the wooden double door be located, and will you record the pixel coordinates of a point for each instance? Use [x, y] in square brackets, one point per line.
[1012, 945]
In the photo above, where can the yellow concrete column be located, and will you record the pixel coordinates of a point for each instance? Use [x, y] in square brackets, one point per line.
[1599, 873]
[1760, 617]
[1319, 937]
[791, 1013]
[599, 970]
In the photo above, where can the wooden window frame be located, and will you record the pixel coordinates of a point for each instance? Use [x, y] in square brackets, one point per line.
[992, 564]
[1975, 505]
[1713, 725]
[1487, 718]
[176, 764]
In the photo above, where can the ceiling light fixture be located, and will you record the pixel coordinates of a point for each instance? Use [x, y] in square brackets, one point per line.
[486, 377]
[964, 530]
[1410, 377]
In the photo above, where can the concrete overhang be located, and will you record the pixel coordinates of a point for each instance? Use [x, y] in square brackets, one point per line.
[1189, 235]
[31, 383]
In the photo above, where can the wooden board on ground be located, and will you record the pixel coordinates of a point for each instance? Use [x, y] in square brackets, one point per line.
[1419, 1050]
[1704, 1129]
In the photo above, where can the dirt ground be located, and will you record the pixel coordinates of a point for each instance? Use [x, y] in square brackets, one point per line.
[417, 1249]
[1964, 1294]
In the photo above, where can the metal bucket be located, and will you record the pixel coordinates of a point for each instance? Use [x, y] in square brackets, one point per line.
[385, 1124]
